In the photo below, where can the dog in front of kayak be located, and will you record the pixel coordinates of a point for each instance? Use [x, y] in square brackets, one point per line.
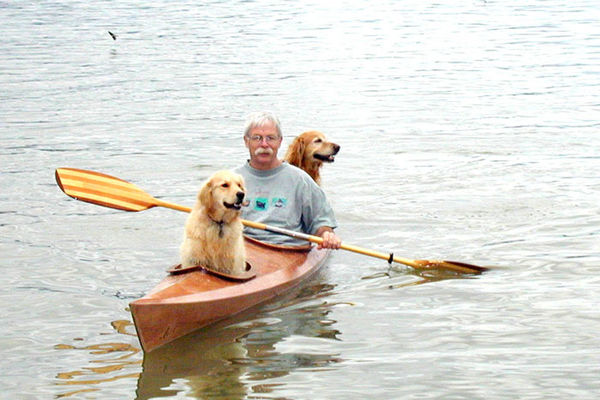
[213, 236]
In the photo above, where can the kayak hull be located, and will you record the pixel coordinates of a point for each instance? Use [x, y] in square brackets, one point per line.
[183, 303]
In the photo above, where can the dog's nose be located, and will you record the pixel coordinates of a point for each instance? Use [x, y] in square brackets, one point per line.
[240, 195]
[336, 148]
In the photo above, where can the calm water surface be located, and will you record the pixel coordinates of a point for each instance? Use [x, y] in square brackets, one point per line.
[468, 132]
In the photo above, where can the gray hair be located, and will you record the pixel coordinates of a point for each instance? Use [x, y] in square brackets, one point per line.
[261, 118]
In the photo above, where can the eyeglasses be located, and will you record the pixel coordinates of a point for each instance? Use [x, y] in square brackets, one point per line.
[259, 138]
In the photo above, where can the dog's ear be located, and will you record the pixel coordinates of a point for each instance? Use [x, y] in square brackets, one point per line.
[205, 193]
[295, 153]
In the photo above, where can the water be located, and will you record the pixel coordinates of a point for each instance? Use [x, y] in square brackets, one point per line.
[468, 132]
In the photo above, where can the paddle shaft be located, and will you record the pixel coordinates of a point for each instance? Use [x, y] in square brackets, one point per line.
[108, 191]
[318, 240]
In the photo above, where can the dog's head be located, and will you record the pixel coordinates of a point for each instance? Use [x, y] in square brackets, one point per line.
[223, 195]
[309, 151]
[312, 146]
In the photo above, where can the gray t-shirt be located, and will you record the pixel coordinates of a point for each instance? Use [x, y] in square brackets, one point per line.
[285, 197]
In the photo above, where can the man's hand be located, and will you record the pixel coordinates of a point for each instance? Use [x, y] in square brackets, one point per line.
[330, 239]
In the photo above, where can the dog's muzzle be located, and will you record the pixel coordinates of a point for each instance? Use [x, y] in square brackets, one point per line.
[328, 157]
[239, 202]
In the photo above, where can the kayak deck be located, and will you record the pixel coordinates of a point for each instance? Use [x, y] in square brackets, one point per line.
[185, 302]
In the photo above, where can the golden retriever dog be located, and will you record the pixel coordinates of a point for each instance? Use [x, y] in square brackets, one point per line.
[309, 151]
[213, 231]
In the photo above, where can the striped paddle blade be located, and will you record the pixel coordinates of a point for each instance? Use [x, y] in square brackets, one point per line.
[105, 190]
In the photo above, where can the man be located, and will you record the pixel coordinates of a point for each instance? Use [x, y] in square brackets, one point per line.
[280, 194]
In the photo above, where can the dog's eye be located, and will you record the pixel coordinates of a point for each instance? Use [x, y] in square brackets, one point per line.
[225, 185]
[318, 140]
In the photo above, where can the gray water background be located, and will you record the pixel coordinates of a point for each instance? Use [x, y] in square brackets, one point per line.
[469, 131]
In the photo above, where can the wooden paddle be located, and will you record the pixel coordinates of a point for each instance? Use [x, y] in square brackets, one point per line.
[108, 191]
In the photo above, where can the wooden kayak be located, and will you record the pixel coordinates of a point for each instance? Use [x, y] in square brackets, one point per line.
[185, 302]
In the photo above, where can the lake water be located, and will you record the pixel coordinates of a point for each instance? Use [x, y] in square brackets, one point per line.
[469, 132]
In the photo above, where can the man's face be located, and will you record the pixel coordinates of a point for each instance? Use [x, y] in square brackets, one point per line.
[263, 142]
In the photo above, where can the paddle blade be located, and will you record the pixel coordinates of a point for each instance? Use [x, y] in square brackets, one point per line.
[104, 190]
[455, 266]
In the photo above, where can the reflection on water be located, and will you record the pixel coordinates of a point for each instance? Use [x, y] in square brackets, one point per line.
[397, 277]
[121, 356]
